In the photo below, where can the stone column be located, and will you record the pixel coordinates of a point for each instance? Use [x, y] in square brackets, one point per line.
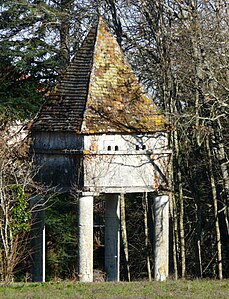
[38, 239]
[85, 238]
[112, 236]
[161, 250]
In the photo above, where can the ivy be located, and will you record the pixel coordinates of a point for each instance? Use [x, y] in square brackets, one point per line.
[21, 214]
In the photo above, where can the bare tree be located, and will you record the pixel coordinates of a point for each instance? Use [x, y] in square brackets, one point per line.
[16, 188]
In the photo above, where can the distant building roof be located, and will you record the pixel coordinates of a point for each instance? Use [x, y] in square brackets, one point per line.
[99, 93]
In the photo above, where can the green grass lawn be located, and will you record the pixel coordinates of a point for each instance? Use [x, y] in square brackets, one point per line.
[197, 289]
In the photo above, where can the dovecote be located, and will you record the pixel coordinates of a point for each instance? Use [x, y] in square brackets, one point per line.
[99, 117]
[99, 132]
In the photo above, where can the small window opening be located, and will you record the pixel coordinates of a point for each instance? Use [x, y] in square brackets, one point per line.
[109, 148]
[137, 147]
[143, 147]
[116, 148]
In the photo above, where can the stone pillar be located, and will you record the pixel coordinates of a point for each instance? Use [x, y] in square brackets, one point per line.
[85, 238]
[161, 250]
[112, 236]
[38, 239]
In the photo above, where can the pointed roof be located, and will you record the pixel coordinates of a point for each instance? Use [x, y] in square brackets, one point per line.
[99, 93]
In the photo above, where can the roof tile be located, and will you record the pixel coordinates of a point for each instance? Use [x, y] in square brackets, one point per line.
[99, 93]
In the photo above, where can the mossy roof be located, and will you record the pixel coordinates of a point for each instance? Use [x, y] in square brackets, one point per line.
[99, 93]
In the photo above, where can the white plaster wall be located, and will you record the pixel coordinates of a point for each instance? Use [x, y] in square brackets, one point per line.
[126, 143]
[126, 169]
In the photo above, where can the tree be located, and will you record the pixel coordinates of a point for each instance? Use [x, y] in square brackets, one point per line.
[182, 57]
[36, 43]
[16, 187]
[20, 97]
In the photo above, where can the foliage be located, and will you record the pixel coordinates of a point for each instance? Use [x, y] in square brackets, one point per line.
[16, 187]
[136, 238]
[28, 60]
[61, 236]
[20, 97]
[21, 214]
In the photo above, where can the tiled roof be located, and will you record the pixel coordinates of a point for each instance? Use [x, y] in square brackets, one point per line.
[99, 93]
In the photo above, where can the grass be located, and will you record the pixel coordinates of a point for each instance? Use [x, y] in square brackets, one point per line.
[197, 289]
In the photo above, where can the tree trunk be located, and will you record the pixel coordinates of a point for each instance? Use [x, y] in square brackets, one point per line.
[215, 207]
[147, 243]
[124, 234]
[116, 21]
[181, 202]
[173, 212]
[223, 165]
[198, 230]
[65, 31]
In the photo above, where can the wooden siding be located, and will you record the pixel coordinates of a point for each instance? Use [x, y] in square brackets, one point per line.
[64, 107]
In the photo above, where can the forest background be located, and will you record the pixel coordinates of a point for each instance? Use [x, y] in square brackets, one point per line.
[179, 51]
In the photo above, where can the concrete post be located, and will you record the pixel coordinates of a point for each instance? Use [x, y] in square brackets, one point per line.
[85, 238]
[161, 250]
[38, 239]
[112, 236]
